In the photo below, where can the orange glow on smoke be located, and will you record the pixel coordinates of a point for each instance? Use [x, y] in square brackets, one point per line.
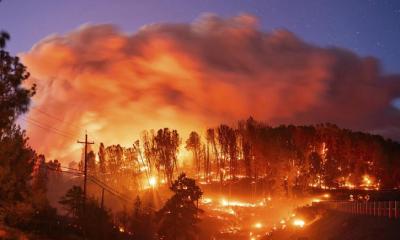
[181, 76]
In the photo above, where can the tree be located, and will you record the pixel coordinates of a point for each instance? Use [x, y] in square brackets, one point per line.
[93, 220]
[179, 216]
[141, 223]
[73, 201]
[167, 147]
[102, 160]
[227, 141]
[210, 137]
[150, 152]
[16, 157]
[91, 163]
[14, 99]
[193, 144]
[39, 173]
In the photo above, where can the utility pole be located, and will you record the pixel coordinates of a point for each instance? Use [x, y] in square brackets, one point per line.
[85, 165]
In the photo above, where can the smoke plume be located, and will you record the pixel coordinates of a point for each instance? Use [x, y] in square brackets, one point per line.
[189, 76]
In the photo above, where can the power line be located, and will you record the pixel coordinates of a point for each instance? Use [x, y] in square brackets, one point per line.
[46, 125]
[68, 172]
[99, 183]
[104, 185]
[54, 117]
[49, 129]
[112, 191]
[47, 114]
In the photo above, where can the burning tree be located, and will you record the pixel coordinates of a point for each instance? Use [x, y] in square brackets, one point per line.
[167, 147]
[211, 143]
[193, 144]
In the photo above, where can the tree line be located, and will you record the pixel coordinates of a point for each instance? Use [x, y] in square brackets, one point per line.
[283, 159]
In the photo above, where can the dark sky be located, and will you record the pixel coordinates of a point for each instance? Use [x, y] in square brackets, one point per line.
[368, 27]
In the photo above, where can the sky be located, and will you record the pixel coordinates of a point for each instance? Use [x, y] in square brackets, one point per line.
[116, 68]
[368, 27]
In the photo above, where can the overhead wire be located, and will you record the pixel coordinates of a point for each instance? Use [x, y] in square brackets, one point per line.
[97, 182]
[49, 115]
[51, 129]
[46, 125]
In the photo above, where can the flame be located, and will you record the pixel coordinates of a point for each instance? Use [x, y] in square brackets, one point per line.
[206, 200]
[152, 181]
[258, 225]
[298, 223]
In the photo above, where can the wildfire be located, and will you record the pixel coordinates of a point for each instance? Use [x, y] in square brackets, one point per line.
[298, 223]
[206, 200]
[367, 181]
[152, 181]
[349, 185]
[236, 203]
[258, 225]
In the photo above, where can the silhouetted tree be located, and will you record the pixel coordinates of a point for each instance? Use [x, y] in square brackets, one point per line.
[167, 147]
[73, 201]
[16, 158]
[91, 162]
[193, 144]
[102, 160]
[211, 143]
[141, 222]
[179, 216]
[93, 221]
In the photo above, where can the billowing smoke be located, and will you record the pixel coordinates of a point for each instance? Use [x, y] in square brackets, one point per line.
[188, 76]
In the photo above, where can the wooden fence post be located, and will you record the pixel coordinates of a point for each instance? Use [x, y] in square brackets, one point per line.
[374, 208]
[379, 209]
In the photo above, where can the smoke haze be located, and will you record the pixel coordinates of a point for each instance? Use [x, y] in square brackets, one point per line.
[190, 76]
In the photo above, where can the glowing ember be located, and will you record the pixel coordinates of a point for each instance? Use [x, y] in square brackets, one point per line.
[235, 203]
[258, 225]
[152, 181]
[327, 195]
[316, 200]
[366, 180]
[349, 185]
[206, 200]
[298, 223]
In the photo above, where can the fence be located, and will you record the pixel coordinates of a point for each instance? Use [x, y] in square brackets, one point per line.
[389, 209]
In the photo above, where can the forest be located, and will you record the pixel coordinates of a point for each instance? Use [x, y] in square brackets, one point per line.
[283, 159]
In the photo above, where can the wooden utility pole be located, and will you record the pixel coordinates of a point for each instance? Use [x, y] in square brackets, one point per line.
[85, 165]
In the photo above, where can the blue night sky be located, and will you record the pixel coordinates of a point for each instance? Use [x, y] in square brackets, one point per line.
[368, 27]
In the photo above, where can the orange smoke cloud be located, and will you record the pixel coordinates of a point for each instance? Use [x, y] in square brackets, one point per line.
[188, 76]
